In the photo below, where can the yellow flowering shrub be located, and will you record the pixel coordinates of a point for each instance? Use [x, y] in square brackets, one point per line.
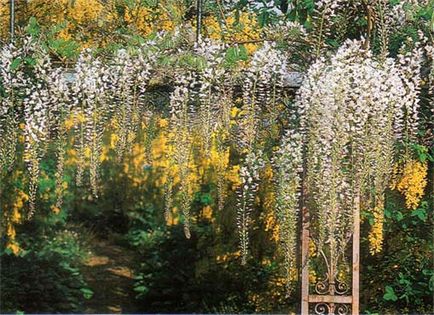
[173, 217]
[79, 17]
[245, 30]
[89, 22]
[12, 215]
[223, 258]
[146, 20]
[207, 213]
[271, 224]
[375, 236]
[411, 182]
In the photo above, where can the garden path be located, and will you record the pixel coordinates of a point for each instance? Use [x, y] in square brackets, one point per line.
[109, 274]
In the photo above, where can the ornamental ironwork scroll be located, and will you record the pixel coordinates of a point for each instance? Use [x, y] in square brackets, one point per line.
[330, 294]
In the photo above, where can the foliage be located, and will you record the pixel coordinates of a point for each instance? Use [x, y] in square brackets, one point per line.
[201, 277]
[158, 136]
[402, 275]
[28, 285]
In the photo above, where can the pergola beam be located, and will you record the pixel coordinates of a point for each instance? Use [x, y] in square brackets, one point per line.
[12, 19]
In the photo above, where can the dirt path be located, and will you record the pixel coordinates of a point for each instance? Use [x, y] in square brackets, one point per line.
[108, 273]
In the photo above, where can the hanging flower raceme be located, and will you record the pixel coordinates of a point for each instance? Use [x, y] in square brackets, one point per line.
[43, 104]
[430, 54]
[213, 104]
[60, 92]
[323, 19]
[410, 71]
[35, 98]
[288, 163]
[91, 112]
[131, 77]
[349, 107]
[12, 82]
[181, 121]
[411, 182]
[262, 89]
[214, 101]
[390, 16]
[36, 132]
[250, 175]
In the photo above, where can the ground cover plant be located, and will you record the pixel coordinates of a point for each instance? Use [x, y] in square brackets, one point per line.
[174, 167]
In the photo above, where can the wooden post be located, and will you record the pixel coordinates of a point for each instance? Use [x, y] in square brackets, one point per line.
[305, 262]
[12, 19]
[198, 19]
[356, 257]
[331, 299]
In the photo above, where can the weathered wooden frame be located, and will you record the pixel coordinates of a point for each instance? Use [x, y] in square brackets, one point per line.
[331, 299]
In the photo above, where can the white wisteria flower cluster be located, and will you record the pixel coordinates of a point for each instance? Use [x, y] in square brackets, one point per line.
[288, 165]
[181, 121]
[352, 109]
[108, 92]
[131, 75]
[410, 64]
[35, 95]
[46, 106]
[348, 115]
[262, 87]
[37, 99]
[250, 175]
[13, 81]
[214, 98]
[91, 111]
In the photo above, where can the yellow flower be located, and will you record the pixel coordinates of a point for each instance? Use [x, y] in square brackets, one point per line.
[233, 176]
[172, 218]
[230, 30]
[412, 182]
[55, 209]
[375, 236]
[13, 246]
[80, 117]
[69, 122]
[104, 154]
[87, 152]
[207, 212]
[114, 138]
[312, 249]
[234, 112]
[10, 231]
[272, 226]
[162, 123]
[312, 276]
[71, 157]
[16, 216]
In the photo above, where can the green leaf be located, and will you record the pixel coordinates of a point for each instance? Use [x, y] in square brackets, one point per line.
[206, 199]
[65, 48]
[141, 289]
[15, 64]
[30, 61]
[399, 216]
[432, 22]
[263, 18]
[8, 251]
[236, 54]
[33, 27]
[390, 294]
[387, 213]
[420, 213]
[87, 293]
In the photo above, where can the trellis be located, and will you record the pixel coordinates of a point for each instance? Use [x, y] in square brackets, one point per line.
[330, 296]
